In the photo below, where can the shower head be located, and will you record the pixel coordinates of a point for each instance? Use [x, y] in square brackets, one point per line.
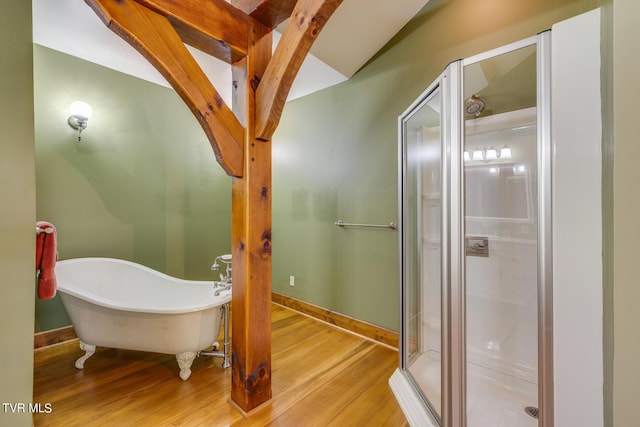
[474, 106]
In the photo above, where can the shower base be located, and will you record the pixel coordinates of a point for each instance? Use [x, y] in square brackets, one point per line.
[493, 399]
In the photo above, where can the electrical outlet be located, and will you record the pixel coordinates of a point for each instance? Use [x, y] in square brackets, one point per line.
[292, 281]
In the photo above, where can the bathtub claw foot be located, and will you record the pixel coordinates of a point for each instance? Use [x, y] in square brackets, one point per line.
[89, 349]
[184, 362]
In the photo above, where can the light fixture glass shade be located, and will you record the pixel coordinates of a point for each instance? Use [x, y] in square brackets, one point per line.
[492, 154]
[80, 113]
[81, 109]
[477, 154]
[505, 152]
[467, 156]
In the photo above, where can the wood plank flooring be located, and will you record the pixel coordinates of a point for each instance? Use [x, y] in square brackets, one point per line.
[322, 376]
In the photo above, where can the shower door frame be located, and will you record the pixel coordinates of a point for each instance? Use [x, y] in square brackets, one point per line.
[453, 292]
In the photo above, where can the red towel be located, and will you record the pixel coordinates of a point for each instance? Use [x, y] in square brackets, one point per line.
[46, 257]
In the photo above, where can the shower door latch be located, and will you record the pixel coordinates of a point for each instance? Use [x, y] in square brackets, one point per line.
[476, 246]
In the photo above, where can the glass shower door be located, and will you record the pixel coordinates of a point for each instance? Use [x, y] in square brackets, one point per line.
[422, 220]
[501, 245]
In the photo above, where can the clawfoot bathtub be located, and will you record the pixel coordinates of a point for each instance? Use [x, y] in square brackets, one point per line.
[121, 304]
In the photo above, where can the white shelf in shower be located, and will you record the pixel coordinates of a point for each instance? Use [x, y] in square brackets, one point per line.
[501, 299]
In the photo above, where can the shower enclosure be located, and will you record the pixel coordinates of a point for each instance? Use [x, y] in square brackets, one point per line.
[475, 347]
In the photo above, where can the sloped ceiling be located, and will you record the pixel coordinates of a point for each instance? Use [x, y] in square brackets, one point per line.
[356, 31]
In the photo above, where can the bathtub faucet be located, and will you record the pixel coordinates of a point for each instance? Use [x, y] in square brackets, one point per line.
[226, 260]
[225, 279]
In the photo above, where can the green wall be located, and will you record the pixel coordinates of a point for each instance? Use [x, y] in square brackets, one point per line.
[141, 185]
[17, 210]
[626, 211]
[335, 154]
[606, 77]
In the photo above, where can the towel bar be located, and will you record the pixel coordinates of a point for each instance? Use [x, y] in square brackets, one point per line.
[341, 223]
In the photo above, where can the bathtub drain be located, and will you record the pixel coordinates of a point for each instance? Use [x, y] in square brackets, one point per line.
[532, 411]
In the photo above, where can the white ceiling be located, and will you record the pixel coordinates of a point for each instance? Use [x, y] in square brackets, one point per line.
[355, 32]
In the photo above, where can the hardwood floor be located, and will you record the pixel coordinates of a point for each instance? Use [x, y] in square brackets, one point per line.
[322, 376]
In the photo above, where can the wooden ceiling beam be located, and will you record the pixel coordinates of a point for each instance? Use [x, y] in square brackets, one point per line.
[154, 37]
[307, 20]
[212, 26]
[269, 13]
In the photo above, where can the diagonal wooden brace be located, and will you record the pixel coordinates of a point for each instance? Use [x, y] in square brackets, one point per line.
[153, 36]
[307, 19]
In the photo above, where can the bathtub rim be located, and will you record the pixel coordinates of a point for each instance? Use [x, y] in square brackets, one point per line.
[223, 298]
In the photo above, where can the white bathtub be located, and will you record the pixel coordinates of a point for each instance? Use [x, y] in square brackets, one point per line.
[121, 304]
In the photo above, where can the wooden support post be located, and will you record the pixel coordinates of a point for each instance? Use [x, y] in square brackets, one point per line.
[251, 238]
[241, 142]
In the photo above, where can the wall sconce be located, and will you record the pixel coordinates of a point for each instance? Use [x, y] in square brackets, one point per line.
[80, 114]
